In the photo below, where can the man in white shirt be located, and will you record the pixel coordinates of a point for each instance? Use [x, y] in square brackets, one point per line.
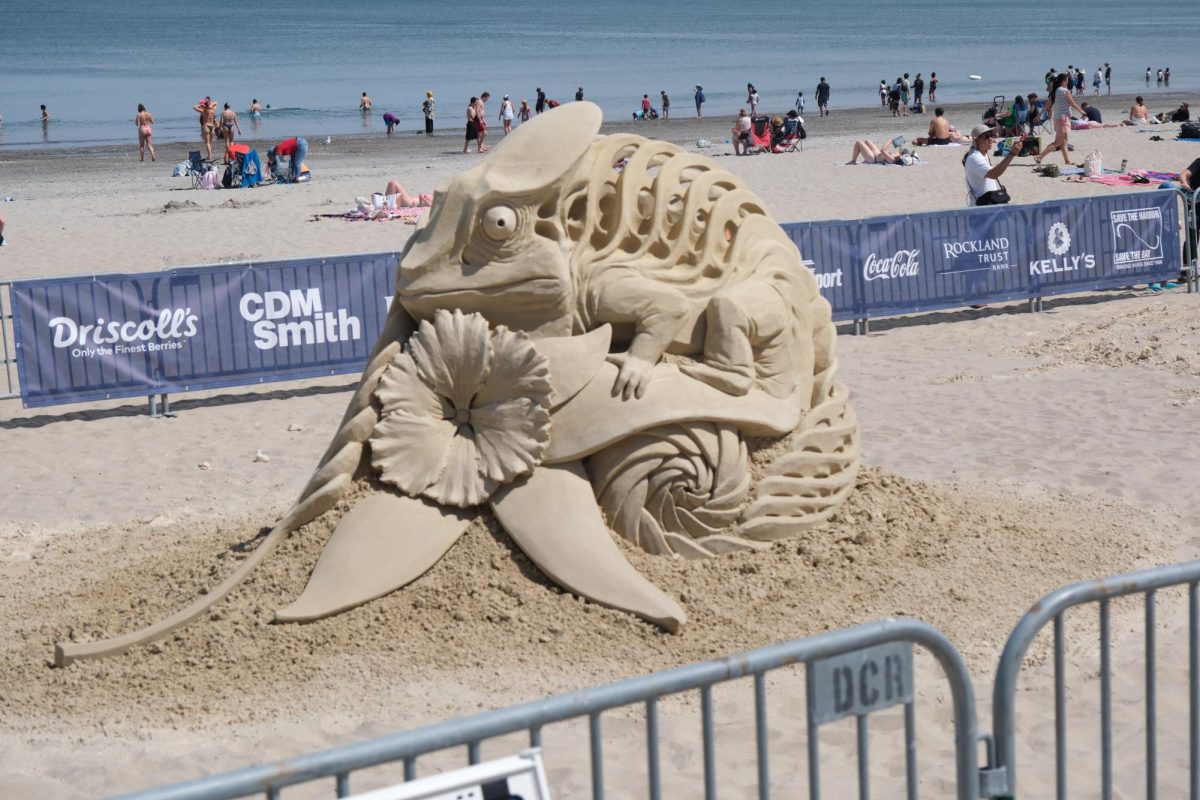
[982, 183]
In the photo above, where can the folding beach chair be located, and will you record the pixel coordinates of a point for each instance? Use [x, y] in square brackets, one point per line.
[760, 135]
[196, 168]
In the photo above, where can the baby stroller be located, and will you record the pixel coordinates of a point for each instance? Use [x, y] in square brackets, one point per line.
[992, 115]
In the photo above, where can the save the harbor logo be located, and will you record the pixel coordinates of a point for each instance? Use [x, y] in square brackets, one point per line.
[124, 337]
[1058, 242]
[294, 318]
[902, 264]
[1137, 236]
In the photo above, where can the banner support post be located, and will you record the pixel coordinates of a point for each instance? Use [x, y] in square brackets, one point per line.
[166, 406]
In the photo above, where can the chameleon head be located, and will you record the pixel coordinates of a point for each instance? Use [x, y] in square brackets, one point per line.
[494, 241]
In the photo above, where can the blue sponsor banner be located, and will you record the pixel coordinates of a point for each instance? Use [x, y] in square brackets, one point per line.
[198, 328]
[920, 262]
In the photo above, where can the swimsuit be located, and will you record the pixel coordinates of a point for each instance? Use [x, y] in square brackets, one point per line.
[939, 140]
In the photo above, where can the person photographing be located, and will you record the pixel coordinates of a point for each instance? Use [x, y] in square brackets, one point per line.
[983, 184]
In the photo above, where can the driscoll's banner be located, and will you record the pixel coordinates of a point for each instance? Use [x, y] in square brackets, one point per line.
[125, 335]
[897, 265]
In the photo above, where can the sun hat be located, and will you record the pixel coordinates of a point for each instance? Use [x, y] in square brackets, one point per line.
[505, 97]
[980, 130]
[429, 94]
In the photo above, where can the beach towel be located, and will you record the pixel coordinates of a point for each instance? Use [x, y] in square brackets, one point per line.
[251, 169]
[378, 215]
[1135, 178]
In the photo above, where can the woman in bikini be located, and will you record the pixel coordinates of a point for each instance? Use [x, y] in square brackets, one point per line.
[406, 200]
[208, 117]
[144, 123]
[229, 121]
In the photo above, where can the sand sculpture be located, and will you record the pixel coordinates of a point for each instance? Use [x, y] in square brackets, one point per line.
[589, 334]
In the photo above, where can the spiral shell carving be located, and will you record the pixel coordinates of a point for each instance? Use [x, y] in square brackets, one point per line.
[676, 488]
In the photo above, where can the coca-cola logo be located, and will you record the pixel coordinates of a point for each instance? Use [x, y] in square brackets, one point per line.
[904, 264]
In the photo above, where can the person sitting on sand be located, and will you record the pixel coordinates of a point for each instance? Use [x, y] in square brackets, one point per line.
[741, 132]
[406, 200]
[941, 131]
[1138, 113]
[1189, 178]
[872, 153]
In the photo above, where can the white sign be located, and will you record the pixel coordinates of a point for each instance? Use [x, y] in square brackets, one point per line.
[1137, 237]
[519, 777]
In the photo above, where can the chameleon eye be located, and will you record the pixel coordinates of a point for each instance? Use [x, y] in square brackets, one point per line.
[499, 222]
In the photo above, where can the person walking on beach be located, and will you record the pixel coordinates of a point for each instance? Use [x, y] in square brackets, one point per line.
[472, 127]
[229, 121]
[932, 86]
[144, 123]
[883, 93]
[481, 120]
[295, 148]
[1097, 76]
[823, 97]
[1061, 101]
[427, 109]
[524, 113]
[983, 179]
[364, 103]
[506, 115]
[579, 93]
[800, 104]
[540, 103]
[1167, 77]
[698, 94]
[1108, 77]
[752, 99]
[208, 120]
[918, 89]
[666, 104]
[905, 88]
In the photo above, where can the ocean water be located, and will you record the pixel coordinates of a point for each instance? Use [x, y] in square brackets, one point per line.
[92, 62]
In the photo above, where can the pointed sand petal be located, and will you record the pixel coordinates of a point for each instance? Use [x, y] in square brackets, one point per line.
[552, 516]
[385, 542]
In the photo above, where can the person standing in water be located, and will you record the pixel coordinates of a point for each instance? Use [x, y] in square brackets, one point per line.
[145, 122]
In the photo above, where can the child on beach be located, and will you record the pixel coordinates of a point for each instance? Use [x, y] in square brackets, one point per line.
[524, 113]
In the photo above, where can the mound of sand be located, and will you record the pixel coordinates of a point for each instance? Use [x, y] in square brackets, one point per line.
[968, 562]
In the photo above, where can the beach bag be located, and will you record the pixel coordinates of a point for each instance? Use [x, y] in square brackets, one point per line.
[996, 197]
[210, 180]
[1189, 130]
[1093, 165]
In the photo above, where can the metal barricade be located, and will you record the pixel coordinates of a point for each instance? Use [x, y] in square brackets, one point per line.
[1001, 780]
[849, 650]
[1191, 234]
[8, 356]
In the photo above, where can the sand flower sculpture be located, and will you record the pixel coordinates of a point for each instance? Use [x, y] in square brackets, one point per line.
[592, 336]
[463, 410]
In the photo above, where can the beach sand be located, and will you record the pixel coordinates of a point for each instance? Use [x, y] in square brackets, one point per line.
[1008, 453]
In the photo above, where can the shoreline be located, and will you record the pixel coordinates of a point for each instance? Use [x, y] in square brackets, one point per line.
[859, 121]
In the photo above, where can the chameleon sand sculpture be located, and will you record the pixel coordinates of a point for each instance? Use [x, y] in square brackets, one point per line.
[590, 334]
